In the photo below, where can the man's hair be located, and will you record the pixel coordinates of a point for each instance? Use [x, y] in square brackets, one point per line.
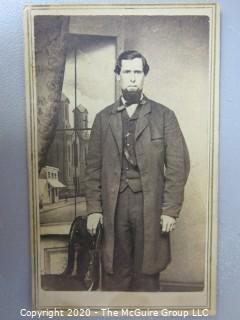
[130, 55]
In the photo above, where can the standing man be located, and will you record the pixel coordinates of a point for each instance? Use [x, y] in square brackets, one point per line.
[137, 167]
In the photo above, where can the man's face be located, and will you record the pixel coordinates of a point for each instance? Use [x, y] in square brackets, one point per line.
[131, 76]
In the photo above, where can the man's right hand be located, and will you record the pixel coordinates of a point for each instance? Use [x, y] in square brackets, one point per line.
[92, 222]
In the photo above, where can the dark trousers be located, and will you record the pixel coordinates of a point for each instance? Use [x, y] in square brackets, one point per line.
[128, 250]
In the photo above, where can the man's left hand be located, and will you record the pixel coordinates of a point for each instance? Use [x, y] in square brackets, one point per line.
[168, 223]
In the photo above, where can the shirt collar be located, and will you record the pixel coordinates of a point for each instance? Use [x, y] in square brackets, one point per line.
[123, 106]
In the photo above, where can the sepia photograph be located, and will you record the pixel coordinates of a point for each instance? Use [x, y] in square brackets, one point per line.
[122, 112]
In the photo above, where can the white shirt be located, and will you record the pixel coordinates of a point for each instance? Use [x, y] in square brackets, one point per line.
[130, 109]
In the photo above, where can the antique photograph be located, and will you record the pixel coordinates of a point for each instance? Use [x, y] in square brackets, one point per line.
[122, 111]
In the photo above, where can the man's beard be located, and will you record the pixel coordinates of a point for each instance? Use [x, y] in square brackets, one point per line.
[132, 97]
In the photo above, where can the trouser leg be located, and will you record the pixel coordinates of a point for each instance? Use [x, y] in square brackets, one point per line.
[129, 246]
[123, 249]
[140, 281]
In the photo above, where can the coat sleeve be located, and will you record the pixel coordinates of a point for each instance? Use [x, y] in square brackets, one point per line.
[94, 168]
[177, 166]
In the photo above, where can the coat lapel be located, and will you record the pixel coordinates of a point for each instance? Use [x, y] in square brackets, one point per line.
[142, 121]
[116, 126]
[116, 122]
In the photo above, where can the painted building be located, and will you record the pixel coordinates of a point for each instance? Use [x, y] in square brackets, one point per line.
[49, 185]
[69, 148]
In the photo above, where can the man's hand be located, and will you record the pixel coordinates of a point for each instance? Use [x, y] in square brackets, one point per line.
[167, 223]
[92, 222]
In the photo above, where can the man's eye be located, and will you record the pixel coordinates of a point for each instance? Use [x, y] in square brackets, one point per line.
[138, 72]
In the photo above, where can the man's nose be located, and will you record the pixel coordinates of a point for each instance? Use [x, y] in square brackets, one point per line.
[132, 77]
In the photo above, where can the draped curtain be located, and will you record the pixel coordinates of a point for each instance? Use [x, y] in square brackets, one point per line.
[50, 57]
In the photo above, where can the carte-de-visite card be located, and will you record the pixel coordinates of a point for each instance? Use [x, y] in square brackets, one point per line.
[122, 112]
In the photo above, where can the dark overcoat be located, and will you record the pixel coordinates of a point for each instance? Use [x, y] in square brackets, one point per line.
[163, 161]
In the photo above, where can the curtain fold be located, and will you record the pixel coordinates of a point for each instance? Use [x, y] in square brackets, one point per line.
[50, 56]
